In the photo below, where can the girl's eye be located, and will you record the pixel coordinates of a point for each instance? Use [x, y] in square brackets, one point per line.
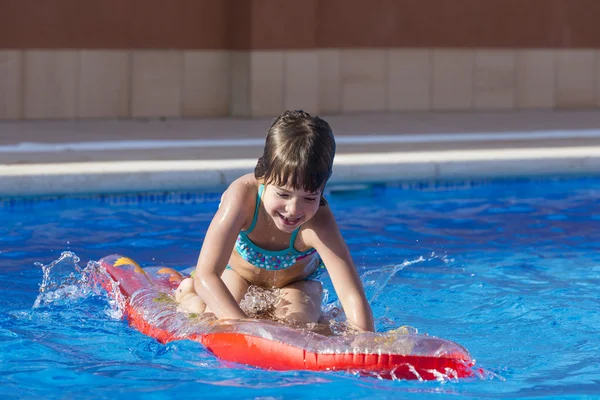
[282, 195]
[310, 199]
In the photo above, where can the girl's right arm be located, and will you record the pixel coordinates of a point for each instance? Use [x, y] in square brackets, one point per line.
[326, 238]
[216, 250]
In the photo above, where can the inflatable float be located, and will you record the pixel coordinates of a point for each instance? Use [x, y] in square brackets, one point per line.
[150, 308]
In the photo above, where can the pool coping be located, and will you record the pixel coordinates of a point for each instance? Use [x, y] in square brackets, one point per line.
[55, 158]
[350, 168]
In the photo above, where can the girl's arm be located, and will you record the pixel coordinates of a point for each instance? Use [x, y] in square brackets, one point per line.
[326, 238]
[216, 250]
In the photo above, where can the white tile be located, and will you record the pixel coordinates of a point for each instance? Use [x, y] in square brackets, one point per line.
[410, 79]
[50, 84]
[240, 84]
[11, 84]
[266, 83]
[206, 83]
[495, 79]
[104, 84]
[329, 81]
[575, 73]
[157, 83]
[536, 78]
[453, 79]
[597, 78]
[301, 76]
[364, 79]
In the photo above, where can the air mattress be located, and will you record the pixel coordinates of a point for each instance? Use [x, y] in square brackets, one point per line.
[147, 294]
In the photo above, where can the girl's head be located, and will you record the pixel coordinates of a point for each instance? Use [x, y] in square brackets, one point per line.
[298, 153]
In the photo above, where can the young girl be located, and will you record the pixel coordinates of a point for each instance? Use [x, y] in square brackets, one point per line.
[275, 229]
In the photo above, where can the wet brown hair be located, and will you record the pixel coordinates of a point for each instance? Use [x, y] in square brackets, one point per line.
[299, 152]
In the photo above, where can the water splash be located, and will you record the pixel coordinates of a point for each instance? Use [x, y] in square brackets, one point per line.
[376, 280]
[385, 275]
[62, 279]
[260, 302]
[64, 282]
[101, 279]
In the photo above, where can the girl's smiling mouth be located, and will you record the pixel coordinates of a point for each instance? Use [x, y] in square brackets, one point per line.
[289, 221]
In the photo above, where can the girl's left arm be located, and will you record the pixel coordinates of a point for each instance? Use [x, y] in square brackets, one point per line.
[327, 239]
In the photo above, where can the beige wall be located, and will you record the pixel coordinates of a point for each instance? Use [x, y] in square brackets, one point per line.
[65, 84]
[64, 59]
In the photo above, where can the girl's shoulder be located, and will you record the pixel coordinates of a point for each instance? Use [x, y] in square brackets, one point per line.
[322, 223]
[240, 196]
[245, 185]
[323, 218]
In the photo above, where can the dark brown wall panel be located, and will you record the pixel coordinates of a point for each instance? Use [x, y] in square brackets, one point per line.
[239, 24]
[579, 23]
[437, 23]
[294, 24]
[101, 24]
[180, 24]
[113, 24]
[284, 24]
[39, 24]
[356, 23]
[476, 23]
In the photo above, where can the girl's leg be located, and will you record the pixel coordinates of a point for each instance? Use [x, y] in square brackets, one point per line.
[237, 285]
[300, 302]
[189, 300]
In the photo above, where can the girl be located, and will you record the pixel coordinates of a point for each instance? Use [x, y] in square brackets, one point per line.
[274, 228]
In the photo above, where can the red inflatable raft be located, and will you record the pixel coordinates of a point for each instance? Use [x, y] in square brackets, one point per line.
[150, 308]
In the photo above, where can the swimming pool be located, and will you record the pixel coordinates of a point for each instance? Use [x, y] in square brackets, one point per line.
[509, 269]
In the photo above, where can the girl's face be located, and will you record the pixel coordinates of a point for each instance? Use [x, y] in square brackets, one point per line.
[288, 207]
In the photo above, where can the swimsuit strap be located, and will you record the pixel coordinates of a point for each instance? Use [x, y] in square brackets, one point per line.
[255, 218]
[293, 240]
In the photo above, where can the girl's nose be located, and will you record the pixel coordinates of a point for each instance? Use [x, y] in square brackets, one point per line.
[292, 207]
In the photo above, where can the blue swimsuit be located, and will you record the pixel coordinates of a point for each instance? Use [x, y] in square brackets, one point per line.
[272, 260]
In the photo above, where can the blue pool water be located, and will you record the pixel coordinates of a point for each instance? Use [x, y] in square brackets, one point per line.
[508, 269]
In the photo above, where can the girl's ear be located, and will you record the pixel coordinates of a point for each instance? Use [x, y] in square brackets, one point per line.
[323, 201]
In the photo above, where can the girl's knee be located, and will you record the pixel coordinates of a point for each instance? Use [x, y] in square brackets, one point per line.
[185, 288]
[314, 288]
[311, 289]
[192, 304]
[300, 302]
[188, 299]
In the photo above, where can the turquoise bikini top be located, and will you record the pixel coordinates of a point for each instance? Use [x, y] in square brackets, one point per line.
[265, 259]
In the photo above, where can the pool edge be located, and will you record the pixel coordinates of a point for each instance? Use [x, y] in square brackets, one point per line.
[20, 180]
